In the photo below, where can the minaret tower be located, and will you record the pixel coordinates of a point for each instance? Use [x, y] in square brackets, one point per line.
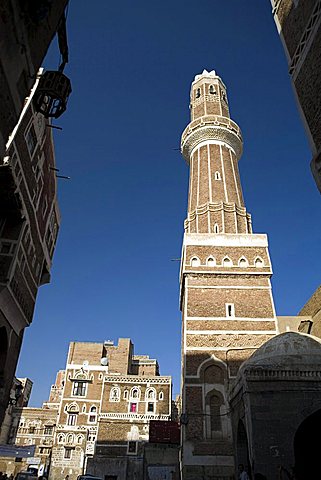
[225, 291]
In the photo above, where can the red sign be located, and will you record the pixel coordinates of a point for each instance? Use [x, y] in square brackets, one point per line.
[164, 432]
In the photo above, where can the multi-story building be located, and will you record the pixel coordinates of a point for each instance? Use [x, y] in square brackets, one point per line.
[109, 397]
[299, 26]
[27, 29]
[97, 417]
[29, 223]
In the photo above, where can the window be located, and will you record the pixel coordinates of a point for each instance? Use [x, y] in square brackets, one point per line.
[227, 262]
[31, 140]
[126, 394]
[215, 409]
[150, 407]
[67, 453]
[61, 438]
[133, 407]
[93, 415]
[259, 262]
[150, 394]
[195, 262]
[114, 394]
[72, 419]
[230, 310]
[135, 393]
[32, 429]
[212, 90]
[48, 430]
[132, 448]
[198, 93]
[217, 176]
[79, 389]
[216, 228]
[243, 263]
[210, 262]
[161, 396]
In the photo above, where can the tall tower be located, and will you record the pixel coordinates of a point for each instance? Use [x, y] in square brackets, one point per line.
[225, 291]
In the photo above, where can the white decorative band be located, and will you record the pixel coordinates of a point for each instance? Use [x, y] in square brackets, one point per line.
[211, 132]
[133, 416]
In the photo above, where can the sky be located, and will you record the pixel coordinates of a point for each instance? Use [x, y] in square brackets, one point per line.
[115, 268]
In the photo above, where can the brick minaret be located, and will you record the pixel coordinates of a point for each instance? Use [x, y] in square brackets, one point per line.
[226, 299]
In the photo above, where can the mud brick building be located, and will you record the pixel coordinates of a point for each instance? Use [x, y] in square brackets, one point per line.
[29, 224]
[109, 396]
[299, 26]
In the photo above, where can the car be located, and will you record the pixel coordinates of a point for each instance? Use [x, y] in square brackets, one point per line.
[88, 476]
[26, 476]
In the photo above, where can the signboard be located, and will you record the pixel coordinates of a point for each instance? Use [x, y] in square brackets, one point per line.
[164, 432]
[33, 460]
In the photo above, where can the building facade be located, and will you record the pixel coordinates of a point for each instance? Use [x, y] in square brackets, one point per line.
[29, 224]
[225, 290]
[97, 418]
[299, 26]
[27, 29]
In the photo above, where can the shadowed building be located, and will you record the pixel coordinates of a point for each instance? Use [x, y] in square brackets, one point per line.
[299, 26]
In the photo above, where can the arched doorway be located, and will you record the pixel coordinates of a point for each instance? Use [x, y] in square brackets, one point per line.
[306, 448]
[242, 449]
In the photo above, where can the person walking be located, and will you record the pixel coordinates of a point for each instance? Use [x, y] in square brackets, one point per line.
[242, 473]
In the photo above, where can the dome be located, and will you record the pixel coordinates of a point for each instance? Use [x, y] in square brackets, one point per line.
[287, 350]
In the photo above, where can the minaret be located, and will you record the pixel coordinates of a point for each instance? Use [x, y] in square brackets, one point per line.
[225, 291]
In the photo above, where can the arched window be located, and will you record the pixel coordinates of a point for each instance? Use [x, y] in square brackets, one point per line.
[72, 407]
[210, 262]
[135, 393]
[150, 394]
[93, 409]
[114, 394]
[70, 438]
[243, 263]
[214, 402]
[195, 262]
[212, 90]
[126, 394]
[80, 439]
[227, 262]
[61, 438]
[217, 176]
[198, 93]
[161, 396]
[216, 228]
[259, 263]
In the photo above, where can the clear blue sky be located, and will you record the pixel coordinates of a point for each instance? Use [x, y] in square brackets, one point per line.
[131, 65]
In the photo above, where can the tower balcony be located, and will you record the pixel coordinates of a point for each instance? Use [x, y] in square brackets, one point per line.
[211, 128]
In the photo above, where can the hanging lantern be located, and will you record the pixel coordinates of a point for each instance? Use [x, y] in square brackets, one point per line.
[52, 94]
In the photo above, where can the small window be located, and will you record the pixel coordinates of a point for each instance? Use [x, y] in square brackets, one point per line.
[216, 228]
[198, 93]
[227, 262]
[210, 262]
[67, 453]
[114, 394]
[93, 409]
[212, 90]
[32, 429]
[133, 407]
[31, 140]
[92, 418]
[259, 263]
[243, 263]
[161, 396]
[48, 430]
[132, 448]
[126, 394]
[72, 419]
[195, 262]
[150, 407]
[60, 438]
[230, 311]
[79, 389]
[217, 176]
